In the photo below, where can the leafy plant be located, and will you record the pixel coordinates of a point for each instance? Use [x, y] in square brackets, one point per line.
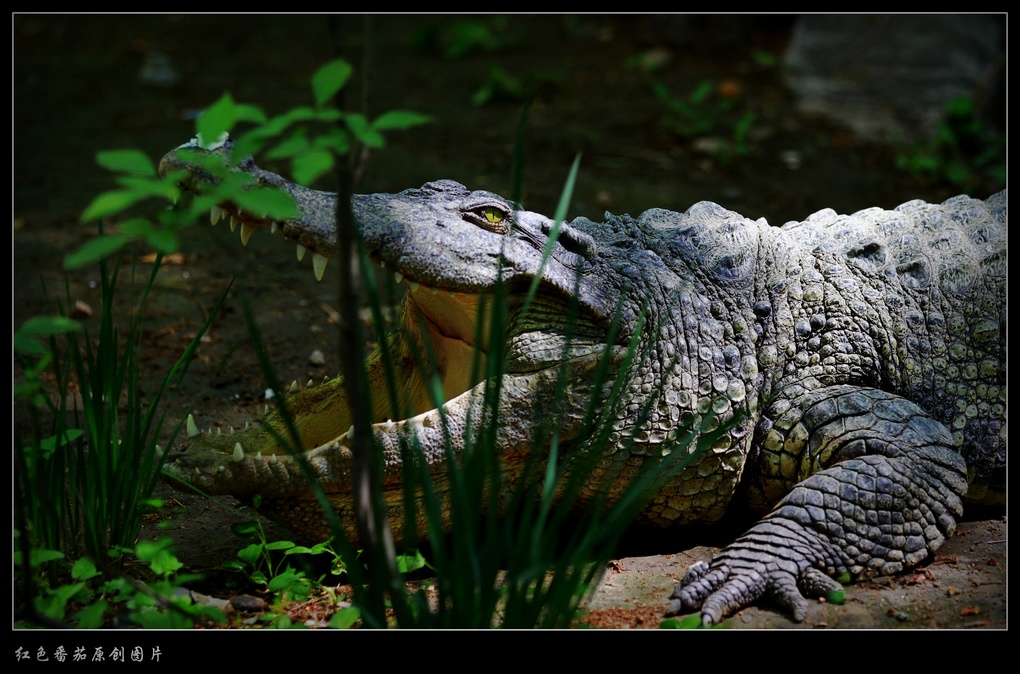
[85, 597]
[309, 137]
[703, 113]
[965, 152]
[257, 561]
[500, 85]
[85, 468]
[458, 38]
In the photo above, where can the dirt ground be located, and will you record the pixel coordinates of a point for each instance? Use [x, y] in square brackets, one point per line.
[89, 83]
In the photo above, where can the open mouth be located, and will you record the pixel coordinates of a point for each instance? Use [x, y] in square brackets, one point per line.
[427, 382]
[429, 371]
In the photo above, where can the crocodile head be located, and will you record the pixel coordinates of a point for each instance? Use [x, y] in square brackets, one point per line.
[454, 248]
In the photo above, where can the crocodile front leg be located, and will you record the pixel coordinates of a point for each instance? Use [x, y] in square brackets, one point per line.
[891, 493]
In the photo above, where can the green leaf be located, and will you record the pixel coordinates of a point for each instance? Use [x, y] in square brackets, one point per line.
[267, 202]
[84, 568]
[158, 555]
[50, 444]
[345, 618]
[40, 556]
[91, 617]
[163, 240]
[361, 129]
[690, 622]
[330, 79]
[111, 203]
[289, 147]
[400, 119]
[249, 113]
[135, 227]
[410, 562]
[49, 325]
[311, 165]
[284, 580]
[250, 554]
[245, 529]
[148, 186]
[127, 161]
[217, 120]
[280, 545]
[29, 345]
[94, 250]
[319, 548]
[329, 115]
[836, 596]
[336, 141]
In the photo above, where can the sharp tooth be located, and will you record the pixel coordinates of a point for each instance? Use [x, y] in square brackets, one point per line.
[319, 265]
[265, 412]
[293, 386]
[413, 285]
[325, 379]
[219, 431]
[273, 227]
[398, 277]
[215, 215]
[300, 252]
[159, 451]
[231, 430]
[310, 384]
[382, 263]
[350, 433]
[221, 469]
[259, 456]
[272, 458]
[192, 428]
[246, 426]
[238, 455]
[335, 445]
[246, 231]
[233, 224]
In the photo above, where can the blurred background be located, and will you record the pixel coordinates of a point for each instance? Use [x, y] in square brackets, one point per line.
[773, 116]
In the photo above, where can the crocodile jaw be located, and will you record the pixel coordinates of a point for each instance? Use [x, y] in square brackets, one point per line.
[253, 462]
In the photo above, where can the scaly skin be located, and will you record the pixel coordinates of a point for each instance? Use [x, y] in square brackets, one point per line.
[860, 362]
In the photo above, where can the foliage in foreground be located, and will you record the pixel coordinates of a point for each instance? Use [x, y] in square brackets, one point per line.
[86, 459]
[529, 562]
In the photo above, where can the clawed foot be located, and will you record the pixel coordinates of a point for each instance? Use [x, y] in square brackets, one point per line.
[755, 566]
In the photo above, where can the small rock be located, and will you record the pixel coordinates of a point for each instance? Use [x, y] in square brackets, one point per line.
[246, 603]
[81, 310]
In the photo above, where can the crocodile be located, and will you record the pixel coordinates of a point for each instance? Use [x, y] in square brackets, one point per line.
[852, 367]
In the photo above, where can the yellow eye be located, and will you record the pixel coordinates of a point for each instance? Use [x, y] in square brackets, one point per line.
[493, 215]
